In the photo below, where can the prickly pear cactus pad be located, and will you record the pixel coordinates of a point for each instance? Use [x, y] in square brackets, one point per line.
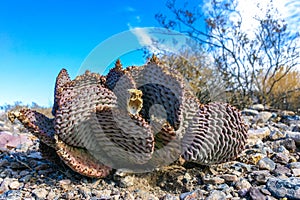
[135, 119]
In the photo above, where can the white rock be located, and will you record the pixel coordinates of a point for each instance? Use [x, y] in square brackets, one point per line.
[263, 117]
[293, 135]
[260, 133]
[258, 107]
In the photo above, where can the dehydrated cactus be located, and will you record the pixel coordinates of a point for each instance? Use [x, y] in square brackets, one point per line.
[137, 118]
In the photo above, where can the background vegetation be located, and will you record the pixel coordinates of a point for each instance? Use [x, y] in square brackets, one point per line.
[237, 66]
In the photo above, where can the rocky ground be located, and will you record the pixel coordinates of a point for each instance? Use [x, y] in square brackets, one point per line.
[269, 168]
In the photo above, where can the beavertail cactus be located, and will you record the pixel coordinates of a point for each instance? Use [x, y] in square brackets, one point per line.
[138, 118]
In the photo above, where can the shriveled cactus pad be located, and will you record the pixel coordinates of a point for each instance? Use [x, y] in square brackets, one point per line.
[137, 119]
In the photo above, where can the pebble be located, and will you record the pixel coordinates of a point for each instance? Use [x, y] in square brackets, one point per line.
[259, 133]
[197, 194]
[243, 184]
[284, 188]
[296, 172]
[258, 107]
[294, 165]
[263, 117]
[213, 180]
[281, 170]
[266, 163]
[256, 194]
[250, 112]
[230, 178]
[277, 134]
[14, 185]
[216, 195]
[40, 193]
[294, 135]
[272, 158]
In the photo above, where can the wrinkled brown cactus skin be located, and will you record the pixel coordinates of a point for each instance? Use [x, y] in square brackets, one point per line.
[105, 119]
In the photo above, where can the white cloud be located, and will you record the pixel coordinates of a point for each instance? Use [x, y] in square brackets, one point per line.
[288, 9]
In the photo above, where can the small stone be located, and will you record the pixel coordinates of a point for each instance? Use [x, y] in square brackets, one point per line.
[213, 180]
[65, 182]
[127, 181]
[294, 165]
[243, 184]
[266, 163]
[289, 144]
[14, 185]
[280, 158]
[216, 195]
[284, 188]
[263, 117]
[261, 177]
[287, 113]
[296, 172]
[281, 170]
[4, 163]
[294, 135]
[296, 128]
[250, 112]
[52, 195]
[40, 193]
[260, 133]
[197, 194]
[230, 178]
[277, 134]
[258, 107]
[170, 197]
[256, 194]
[25, 179]
[243, 192]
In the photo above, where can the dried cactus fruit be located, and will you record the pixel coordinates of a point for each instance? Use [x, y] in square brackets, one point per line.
[138, 118]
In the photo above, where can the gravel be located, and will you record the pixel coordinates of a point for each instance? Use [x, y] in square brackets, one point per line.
[269, 168]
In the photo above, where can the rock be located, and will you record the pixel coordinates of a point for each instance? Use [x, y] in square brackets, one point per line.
[261, 176]
[250, 112]
[40, 193]
[280, 158]
[25, 179]
[276, 135]
[296, 128]
[281, 170]
[284, 188]
[294, 165]
[260, 133]
[289, 144]
[216, 195]
[287, 113]
[230, 178]
[14, 185]
[256, 194]
[266, 163]
[213, 180]
[258, 107]
[243, 184]
[4, 185]
[170, 197]
[127, 181]
[9, 141]
[197, 194]
[294, 135]
[296, 172]
[262, 117]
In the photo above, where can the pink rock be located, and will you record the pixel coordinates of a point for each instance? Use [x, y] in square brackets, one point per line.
[9, 141]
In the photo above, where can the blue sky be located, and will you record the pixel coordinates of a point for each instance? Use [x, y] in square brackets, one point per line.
[38, 38]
